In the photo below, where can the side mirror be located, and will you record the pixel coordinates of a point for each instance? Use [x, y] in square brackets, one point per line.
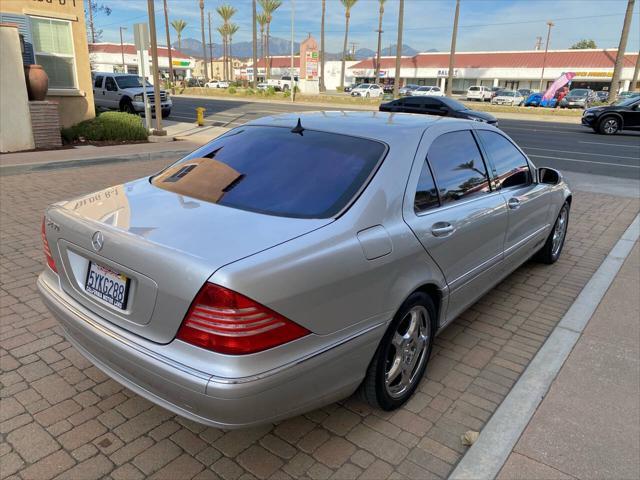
[549, 176]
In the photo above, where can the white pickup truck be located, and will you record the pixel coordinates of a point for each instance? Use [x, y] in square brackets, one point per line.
[281, 84]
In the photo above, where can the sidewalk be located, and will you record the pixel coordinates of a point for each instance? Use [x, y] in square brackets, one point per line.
[588, 425]
[188, 137]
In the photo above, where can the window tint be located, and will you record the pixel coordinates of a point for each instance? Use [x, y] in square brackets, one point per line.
[511, 167]
[426, 192]
[274, 171]
[110, 84]
[432, 103]
[98, 81]
[458, 167]
[414, 101]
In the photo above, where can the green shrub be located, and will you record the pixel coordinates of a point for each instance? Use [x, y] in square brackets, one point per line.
[339, 89]
[270, 91]
[232, 90]
[109, 126]
[286, 94]
[250, 91]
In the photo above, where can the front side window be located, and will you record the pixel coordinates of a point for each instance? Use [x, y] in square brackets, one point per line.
[110, 84]
[98, 81]
[458, 167]
[511, 167]
[131, 81]
[53, 45]
[276, 171]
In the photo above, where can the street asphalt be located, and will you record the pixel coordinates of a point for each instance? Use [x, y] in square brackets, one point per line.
[564, 146]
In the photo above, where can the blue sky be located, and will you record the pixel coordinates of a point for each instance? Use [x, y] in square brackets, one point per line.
[484, 24]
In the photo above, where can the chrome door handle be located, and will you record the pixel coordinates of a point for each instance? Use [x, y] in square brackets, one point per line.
[513, 203]
[442, 229]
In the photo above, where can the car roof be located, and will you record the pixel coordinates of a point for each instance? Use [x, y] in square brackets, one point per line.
[385, 126]
[116, 74]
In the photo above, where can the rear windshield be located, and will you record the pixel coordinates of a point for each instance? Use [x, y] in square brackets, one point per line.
[474, 89]
[275, 171]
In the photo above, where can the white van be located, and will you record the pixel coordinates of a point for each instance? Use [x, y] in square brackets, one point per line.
[479, 92]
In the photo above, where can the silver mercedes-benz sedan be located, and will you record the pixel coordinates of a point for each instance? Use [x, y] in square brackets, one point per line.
[296, 259]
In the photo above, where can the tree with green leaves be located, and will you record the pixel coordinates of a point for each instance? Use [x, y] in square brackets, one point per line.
[179, 26]
[584, 44]
[378, 54]
[226, 12]
[262, 18]
[232, 29]
[268, 7]
[348, 5]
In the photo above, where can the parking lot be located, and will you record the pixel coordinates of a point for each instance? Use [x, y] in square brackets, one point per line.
[61, 417]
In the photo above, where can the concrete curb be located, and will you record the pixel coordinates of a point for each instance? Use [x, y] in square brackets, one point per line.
[487, 456]
[83, 162]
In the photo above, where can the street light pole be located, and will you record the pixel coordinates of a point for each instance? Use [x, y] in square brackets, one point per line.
[154, 66]
[124, 68]
[544, 57]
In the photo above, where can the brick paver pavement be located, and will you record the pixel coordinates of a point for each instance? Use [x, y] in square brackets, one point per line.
[60, 417]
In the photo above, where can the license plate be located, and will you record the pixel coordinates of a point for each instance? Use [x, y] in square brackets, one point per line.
[108, 285]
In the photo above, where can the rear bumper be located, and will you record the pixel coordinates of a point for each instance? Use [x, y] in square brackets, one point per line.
[220, 402]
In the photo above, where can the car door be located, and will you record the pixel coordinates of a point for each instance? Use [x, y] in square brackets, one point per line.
[110, 95]
[98, 92]
[433, 106]
[455, 214]
[527, 201]
[413, 105]
[631, 116]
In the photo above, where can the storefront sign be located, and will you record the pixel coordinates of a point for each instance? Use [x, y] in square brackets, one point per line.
[594, 74]
[180, 63]
[445, 73]
[59, 2]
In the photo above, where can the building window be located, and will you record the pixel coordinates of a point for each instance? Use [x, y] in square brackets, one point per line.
[53, 45]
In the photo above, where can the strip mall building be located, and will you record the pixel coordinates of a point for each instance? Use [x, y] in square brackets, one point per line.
[515, 69]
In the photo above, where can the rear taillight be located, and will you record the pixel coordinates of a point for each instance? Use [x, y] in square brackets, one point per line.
[47, 250]
[224, 321]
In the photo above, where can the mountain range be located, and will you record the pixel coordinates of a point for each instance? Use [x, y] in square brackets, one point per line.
[281, 46]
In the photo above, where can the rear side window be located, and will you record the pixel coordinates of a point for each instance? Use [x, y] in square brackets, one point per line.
[426, 192]
[511, 167]
[275, 171]
[458, 167]
[98, 81]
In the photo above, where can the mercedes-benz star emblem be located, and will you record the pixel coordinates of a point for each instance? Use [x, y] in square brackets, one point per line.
[97, 241]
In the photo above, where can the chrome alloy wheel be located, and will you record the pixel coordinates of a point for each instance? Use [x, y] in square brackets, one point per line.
[610, 126]
[559, 231]
[408, 351]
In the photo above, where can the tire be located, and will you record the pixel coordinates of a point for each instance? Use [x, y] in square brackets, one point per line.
[403, 353]
[550, 252]
[285, 88]
[166, 113]
[609, 125]
[127, 107]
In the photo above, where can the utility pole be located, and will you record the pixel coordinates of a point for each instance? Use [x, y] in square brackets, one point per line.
[452, 53]
[124, 67]
[204, 44]
[544, 57]
[210, 45]
[396, 81]
[255, 45]
[154, 65]
[322, 85]
[617, 69]
[166, 27]
[354, 46]
[293, 83]
[378, 53]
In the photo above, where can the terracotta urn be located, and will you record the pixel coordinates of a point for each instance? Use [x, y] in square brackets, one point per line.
[37, 82]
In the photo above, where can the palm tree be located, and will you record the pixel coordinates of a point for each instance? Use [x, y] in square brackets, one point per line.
[381, 2]
[222, 30]
[232, 29]
[166, 26]
[324, 7]
[225, 12]
[396, 80]
[348, 5]
[254, 43]
[179, 26]
[269, 6]
[204, 43]
[262, 21]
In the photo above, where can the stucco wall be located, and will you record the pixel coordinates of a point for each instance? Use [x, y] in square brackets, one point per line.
[74, 105]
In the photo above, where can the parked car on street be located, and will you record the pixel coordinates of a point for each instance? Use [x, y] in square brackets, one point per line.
[578, 98]
[508, 97]
[621, 115]
[367, 90]
[602, 95]
[387, 87]
[427, 91]
[440, 106]
[533, 100]
[296, 259]
[217, 84]
[348, 88]
[407, 90]
[479, 92]
[495, 90]
[124, 92]
[525, 92]
[282, 84]
[628, 94]
[194, 82]
[262, 86]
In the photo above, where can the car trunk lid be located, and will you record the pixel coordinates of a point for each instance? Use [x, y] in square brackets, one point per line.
[165, 244]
